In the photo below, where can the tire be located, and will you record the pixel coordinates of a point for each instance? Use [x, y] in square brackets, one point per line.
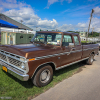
[43, 76]
[90, 60]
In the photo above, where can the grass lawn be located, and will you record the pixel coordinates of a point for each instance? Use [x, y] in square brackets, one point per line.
[18, 90]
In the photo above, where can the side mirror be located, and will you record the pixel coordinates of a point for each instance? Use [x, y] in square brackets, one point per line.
[71, 44]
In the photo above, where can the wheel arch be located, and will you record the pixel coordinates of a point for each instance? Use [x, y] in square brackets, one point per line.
[92, 52]
[52, 64]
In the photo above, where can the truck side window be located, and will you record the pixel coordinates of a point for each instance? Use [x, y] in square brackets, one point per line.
[76, 40]
[66, 40]
[49, 38]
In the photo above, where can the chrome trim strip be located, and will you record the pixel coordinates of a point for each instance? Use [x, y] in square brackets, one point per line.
[90, 48]
[70, 64]
[85, 49]
[48, 56]
[38, 58]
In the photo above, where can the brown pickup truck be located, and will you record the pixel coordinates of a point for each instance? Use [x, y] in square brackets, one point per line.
[48, 51]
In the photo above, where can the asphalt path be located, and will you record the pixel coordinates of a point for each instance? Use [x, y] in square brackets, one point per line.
[84, 85]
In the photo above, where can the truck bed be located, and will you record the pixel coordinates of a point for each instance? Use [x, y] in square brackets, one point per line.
[87, 48]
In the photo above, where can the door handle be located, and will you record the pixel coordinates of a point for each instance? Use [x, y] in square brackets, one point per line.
[72, 49]
[68, 53]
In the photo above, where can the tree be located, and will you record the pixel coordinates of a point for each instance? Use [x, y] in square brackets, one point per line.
[95, 34]
[41, 30]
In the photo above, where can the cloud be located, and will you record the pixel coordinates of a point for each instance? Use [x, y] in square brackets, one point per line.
[50, 2]
[82, 25]
[27, 14]
[69, 1]
[66, 27]
[30, 18]
[80, 8]
[21, 11]
[95, 24]
[9, 4]
[97, 11]
[47, 23]
[12, 1]
[1, 9]
[70, 27]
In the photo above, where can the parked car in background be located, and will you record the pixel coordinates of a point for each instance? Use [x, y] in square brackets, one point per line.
[48, 52]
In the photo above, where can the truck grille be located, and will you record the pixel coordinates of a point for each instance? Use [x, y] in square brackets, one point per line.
[14, 62]
[10, 58]
[3, 57]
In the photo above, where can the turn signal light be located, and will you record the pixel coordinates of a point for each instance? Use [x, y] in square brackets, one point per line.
[31, 59]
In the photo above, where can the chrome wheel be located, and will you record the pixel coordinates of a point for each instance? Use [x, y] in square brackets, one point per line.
[45, 76]
[91, 59]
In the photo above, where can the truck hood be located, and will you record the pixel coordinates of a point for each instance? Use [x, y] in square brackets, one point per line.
[29, 50]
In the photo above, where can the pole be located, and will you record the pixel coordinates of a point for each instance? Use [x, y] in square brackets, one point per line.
[99, 36]
[92, 30]
[0, 34]
[21, 23]
[89, 24]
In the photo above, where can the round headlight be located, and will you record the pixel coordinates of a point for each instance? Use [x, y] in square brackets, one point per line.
[23, 66]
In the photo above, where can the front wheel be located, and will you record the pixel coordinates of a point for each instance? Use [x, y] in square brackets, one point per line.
[43, 76]
[90, 60]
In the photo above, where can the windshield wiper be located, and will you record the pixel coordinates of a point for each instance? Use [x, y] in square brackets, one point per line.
[38, 42]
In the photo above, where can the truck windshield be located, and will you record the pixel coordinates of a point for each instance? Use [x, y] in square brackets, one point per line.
[47, 38]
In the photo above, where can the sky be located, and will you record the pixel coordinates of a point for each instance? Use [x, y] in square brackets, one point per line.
[63, 15]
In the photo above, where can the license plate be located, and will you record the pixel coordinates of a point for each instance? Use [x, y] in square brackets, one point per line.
[4, 68]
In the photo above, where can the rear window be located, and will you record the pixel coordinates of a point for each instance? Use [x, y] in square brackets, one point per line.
[76, 40]
[66, 40]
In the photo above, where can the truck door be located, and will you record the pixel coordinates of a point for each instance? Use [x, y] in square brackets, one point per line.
[78, 48]
[67, 57]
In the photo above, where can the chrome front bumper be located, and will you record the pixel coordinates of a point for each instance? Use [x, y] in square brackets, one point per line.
[15, 72]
